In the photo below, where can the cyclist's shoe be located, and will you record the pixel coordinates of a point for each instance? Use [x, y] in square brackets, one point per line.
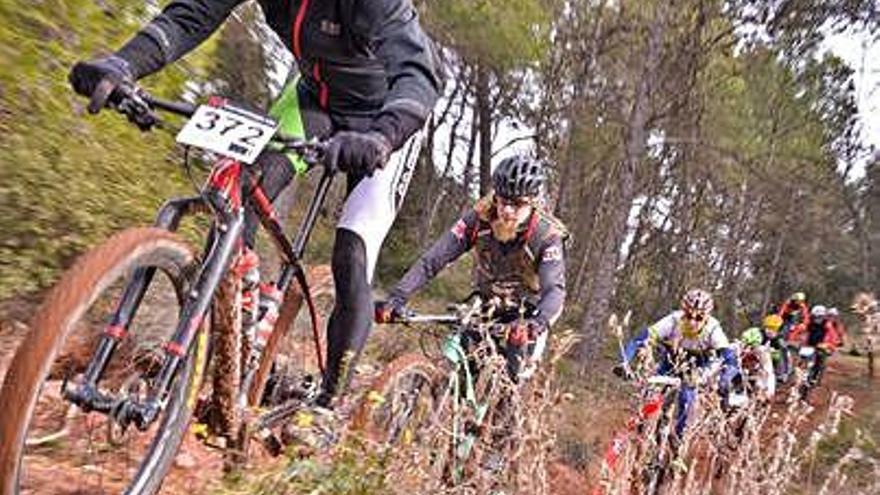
[623, 372]
[282, 388]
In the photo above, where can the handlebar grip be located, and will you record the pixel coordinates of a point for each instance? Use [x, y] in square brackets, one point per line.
[176, 107]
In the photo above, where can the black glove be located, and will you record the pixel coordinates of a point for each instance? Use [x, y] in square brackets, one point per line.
[358, 152]
[98, 78]
[622, 371]
[390, 311]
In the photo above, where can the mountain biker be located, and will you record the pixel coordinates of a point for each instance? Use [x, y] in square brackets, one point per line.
[771, 330]
[367, 82]
[822, 335]
[795, 314]
[518, 251]
[756, 361]
[693, 335]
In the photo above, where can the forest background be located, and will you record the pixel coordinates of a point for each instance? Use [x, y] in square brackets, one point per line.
[691, 143]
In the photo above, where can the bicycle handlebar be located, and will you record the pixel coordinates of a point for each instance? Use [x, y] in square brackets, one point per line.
[446, 319]
[139, 106]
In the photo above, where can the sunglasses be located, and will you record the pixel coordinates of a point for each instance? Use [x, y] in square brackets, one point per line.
[515, 202]
[696, 317]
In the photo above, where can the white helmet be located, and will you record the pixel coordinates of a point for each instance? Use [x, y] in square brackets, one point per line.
[833, 312]
[697, 300]
[818, 311]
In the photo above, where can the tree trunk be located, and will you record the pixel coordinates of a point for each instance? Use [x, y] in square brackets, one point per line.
[484, 118]
[597, 310]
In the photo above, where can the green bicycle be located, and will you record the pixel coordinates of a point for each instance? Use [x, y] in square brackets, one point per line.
[458, 411]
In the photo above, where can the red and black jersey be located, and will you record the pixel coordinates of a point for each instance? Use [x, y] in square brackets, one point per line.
[357, 58]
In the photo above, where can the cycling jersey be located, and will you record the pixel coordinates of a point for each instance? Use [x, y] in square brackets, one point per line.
[529, 267]
[677, 334]
[357, 58]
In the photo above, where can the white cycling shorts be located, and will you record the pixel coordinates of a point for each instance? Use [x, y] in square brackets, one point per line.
[370, 209]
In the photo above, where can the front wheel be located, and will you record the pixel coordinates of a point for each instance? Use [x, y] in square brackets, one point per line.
[47, 445]
[412, 410]
[400, 401]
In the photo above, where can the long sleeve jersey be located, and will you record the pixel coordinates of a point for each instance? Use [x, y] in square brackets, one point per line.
[358, 58]
[531, 265]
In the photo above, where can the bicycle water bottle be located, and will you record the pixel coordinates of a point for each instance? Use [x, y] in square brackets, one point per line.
[248, 268]
[269, 305]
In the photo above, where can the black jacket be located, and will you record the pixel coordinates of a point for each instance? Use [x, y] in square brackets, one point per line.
[358, 58]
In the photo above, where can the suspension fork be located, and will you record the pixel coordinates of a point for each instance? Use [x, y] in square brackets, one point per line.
[86, 394]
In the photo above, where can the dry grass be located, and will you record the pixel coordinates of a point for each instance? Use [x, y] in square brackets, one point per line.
[523, 437]
[762, 449]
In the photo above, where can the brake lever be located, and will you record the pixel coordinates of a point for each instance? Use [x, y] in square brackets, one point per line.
[134, 105]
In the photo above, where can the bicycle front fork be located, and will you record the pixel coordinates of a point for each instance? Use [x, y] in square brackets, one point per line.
[84, 390]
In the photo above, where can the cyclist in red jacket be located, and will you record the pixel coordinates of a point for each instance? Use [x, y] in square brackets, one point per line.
[795, 314]
[821, 334]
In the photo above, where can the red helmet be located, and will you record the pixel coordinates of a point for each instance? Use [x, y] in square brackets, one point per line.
[697, 301]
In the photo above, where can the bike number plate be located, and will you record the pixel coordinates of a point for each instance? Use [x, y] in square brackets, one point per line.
[229, 131]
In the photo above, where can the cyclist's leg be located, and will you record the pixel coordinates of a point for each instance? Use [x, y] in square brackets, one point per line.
[818, 367]
[514, 356]
[784, 369]
[686, 399]
[298, 114]
[367, 215]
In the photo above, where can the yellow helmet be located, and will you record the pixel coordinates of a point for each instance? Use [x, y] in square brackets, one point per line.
[799, 296]
[772, 322]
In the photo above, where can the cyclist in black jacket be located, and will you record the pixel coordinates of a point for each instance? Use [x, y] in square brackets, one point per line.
[367, 80]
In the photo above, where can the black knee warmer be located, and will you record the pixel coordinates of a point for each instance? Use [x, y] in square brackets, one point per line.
[351, 319]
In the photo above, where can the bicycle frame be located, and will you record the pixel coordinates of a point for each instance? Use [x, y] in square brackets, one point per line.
[230, 191]
[660, 396]
[462, 388]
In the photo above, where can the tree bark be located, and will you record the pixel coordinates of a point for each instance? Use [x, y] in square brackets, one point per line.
[484, 118]
[592, 325]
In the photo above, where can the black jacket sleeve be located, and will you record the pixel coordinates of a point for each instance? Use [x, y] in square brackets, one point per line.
[551, 276]
[182, 26]
[393, 30]
[452, 244]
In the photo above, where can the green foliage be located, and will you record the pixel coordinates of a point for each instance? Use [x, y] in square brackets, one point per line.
[499, 33]
[70, 179]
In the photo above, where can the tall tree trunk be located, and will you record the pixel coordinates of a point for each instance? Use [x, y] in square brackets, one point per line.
[596, 313]
[469, 174]
[484, 118]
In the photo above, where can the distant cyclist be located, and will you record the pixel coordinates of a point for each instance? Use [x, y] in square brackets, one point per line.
[822, 335]
[795, 314]
[756, 361]
[690, 335]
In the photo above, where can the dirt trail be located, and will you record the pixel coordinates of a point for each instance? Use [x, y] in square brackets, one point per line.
[197, 468]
